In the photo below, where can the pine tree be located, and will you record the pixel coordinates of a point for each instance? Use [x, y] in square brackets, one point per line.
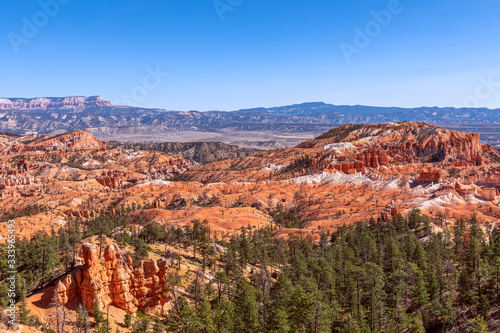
[225, 317]
[82, 323]
[98, 314]
[350, 326]
[142, 325]
[24, 312]
[127, 320]
[375, 282]
[419, 293]
[246, 309]
[184, 319]
[158, 327]
[478, 325]
[416, 324]
[483, 307]
[278, 321]
[4, 291]
[206, 316]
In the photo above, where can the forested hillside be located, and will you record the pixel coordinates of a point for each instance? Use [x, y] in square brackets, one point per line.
[375, 276]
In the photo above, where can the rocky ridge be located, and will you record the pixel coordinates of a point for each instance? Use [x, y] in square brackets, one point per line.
[47, 103]
[426, 142]
[195, 152]
[72, 141]
[356, 149]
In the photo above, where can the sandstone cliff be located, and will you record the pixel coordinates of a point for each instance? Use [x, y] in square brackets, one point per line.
[115, 282]
[44, 103]
[408, 142]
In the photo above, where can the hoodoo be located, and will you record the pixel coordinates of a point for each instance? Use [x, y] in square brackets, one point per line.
[115, 282]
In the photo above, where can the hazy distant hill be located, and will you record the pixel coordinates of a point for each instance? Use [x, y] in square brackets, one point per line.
[197, 152]
[286, 125]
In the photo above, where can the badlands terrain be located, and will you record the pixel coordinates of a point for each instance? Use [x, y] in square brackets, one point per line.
[351, 173]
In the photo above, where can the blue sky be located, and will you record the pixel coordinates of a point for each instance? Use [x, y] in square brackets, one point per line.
[232, 54]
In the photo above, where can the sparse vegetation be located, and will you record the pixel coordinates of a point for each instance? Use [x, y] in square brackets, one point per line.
[287, 218]
[338, 134]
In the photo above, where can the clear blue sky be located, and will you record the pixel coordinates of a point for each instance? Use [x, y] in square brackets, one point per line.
[263, 52]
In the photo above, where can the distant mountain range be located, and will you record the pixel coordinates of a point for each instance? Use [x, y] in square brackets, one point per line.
[286, 125]
[44, 103]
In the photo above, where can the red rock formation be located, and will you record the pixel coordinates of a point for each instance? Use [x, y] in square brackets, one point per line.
[115, 282]
[117, 179]
[490, 193]
[465, 189]
[406, 141]
[76, 140]
[347, 167]
[388, 212]
[493, 178]
[162, 202]
[21, 168]
[429, 177]
[15, 181]
[114, 182]
[82, 213]
[373, 158]
[174, 166]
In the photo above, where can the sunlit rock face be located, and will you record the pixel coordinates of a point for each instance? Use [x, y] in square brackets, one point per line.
[115, 282]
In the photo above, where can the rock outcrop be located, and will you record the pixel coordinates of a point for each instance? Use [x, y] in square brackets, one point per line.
[408, 142]
[490, 193]
[373, 158]
[76, 140]
[347, 167]
[86, 213]
[21, 168]
[351, 149]
[115, 282]
[491, 179]
[174, 166]
[388, 212]
[16, 181]
[466, 189]
[429, 177]
[114, 179]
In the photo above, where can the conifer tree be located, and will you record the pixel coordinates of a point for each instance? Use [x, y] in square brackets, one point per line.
[246, 309]
[98, 314]
[24, 312]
